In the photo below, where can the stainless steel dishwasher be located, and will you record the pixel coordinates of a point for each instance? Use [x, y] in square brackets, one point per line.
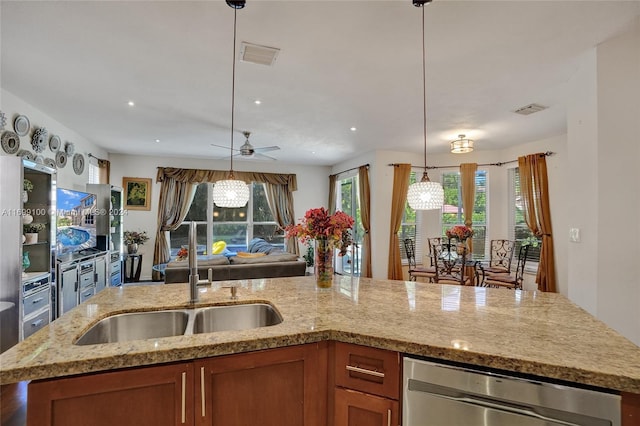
[435, 394]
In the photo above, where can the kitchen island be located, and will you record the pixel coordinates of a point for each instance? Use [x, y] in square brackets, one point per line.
[541, 334]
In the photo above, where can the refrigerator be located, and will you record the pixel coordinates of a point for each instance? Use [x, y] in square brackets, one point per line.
[11, 175]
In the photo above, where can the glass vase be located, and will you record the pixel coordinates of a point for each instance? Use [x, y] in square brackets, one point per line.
[324, 263]
[25, 261]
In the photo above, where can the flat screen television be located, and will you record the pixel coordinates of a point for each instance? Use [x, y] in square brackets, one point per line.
[75, 221]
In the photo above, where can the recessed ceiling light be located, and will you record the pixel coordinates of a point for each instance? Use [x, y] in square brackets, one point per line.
[257, 102]
[353, 129]
[157, 140]
[130, 103]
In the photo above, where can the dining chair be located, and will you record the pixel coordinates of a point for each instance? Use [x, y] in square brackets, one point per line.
[433, 241]
[414, 271]
[510, 280]
[501, 256]
[451, 267]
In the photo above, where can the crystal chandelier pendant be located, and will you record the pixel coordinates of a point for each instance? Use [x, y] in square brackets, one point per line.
[425, 195]
[230, 193]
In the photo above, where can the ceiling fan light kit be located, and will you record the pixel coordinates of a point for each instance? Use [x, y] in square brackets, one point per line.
[232, 192]
[424, 195]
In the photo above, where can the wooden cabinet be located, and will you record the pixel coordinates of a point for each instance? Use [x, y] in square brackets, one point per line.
[278, 387]
[153, 396]
[366, 385]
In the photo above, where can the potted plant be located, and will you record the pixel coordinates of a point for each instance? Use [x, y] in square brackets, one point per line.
[31, 232]
[134, 238]
[27, 186]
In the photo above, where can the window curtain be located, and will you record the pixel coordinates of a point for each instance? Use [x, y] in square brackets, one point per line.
[104, 168]
[468, 180]
[201, 176]
[401, 174]
[280, 201]
[365, 216]
[332, 194]
[534, 186]
[175, 200]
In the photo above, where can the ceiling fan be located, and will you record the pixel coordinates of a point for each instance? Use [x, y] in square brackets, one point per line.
[247, 150]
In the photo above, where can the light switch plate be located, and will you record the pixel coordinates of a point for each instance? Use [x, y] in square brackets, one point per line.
[574, 235]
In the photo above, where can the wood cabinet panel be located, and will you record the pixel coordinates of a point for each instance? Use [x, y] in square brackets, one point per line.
[153, 396]
[279, 387]
[630, 409]
[353, 408]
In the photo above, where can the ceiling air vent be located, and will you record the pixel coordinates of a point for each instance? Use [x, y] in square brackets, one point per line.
[530, 109]
[257, 54]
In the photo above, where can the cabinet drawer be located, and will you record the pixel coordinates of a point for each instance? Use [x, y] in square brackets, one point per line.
[86, 280]
[87, 293]
[34, 324]
[36, 301]
[370, 370]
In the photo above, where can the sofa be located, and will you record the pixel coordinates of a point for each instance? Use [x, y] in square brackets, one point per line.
[262, 260]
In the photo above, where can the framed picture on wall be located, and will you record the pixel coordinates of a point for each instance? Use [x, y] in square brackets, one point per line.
[137, 193]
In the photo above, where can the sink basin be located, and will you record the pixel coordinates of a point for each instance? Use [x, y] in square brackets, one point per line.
[136, 326]
[235, 317]
[178, 322]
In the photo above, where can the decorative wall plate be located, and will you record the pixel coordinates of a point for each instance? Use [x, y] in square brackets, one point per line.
[10, 142]
[3, 120]
[78, 164]
[61, 159]
[54, 143]
[39, 159]
[69, 149]
[39, 139]
[50, 162]
[26, 155]
[21, 125]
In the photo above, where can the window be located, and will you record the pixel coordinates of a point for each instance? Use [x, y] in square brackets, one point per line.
[518, 228]
[235, 226]
[348, 201]
[452, 212]
[410, 228]
[94, 171]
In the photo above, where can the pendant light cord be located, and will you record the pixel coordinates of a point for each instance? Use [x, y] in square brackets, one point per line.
[233, 87]
[424, 93]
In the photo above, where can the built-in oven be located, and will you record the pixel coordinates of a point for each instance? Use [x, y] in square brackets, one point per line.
[437, 394]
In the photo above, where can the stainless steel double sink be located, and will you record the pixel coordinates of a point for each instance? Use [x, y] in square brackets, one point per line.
[178, 322]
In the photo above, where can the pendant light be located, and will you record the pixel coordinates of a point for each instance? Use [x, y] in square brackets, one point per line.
[232, 192]
[425, 195]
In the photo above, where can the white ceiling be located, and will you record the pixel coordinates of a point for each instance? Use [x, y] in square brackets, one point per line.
[341, 64]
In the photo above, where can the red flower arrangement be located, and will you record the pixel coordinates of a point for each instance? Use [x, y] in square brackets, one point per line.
[183, 253]
[318, 223]
[459, 232]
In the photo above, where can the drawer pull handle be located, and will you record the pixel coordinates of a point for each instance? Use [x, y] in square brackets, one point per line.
[202, 390]
[184, 398]
[364, 371]
[37, 323]
[38, 300]
[389, 417]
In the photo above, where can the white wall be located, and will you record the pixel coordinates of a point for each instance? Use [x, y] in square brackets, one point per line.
[313, 184]
[13, 106]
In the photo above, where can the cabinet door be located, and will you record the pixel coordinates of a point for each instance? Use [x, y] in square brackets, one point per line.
[68, 293]
[275, 387]
[150, 396]
[100, 273]
[353, 408]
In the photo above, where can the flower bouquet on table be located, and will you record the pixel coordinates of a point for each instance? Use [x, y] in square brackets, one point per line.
[183, 253]
[330, 231]
[134, 237]
[459, 232]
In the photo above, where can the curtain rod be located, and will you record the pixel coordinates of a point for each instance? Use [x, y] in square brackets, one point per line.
[351, 169]
[502, 163]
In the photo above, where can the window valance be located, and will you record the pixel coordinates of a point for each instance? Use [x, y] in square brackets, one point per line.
[201, 176]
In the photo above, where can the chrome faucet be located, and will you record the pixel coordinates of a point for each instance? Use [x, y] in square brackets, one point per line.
[194, 278]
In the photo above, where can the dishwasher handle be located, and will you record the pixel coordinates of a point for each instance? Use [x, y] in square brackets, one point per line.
[488, 403]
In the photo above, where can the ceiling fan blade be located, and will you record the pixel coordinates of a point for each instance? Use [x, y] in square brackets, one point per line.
[262, 156]
[225, 147]
[267, 148]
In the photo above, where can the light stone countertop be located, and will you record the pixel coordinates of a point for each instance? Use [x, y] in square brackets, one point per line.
[535, 333]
